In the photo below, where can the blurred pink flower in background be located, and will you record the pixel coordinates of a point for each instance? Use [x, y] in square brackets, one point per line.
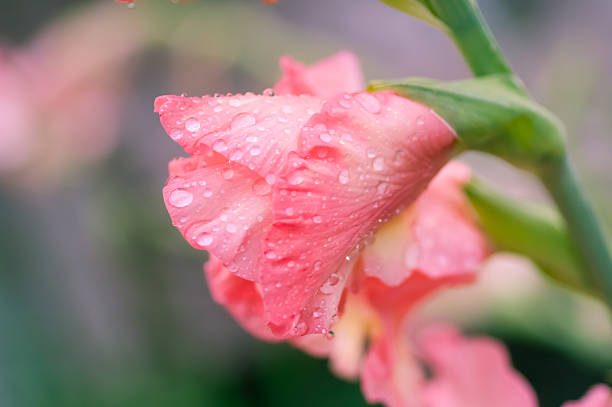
[61, 100]
[598, 396]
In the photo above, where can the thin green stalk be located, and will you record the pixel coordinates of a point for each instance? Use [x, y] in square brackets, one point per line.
[472, 36]
[583, 224]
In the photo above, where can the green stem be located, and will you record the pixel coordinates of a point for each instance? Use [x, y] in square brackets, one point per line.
[472, 36]
[583, 224]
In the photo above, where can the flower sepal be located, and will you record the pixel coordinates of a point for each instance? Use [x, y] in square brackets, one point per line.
[493, 115]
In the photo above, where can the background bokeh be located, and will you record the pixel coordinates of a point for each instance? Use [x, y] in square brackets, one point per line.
[102, 303]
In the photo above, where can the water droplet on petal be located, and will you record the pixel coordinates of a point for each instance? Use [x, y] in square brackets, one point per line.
[204, 240]
[234, 102]
[176, 134]
[344, 103]
[332, 281]
[400, 157]
[231, 228]
[228, 174]
[271, 255]
[219, 146]
[255, 151]
[378, 164]
[270, 179]
[317, 219]
[289, 211]
[236, 155]
[325, 137]
[296, 178]
[261, 187]
[381, 188]
[242, 120]
[207, 193]
[343, 177]
[369, 102]
[180, 198]
[192, 125]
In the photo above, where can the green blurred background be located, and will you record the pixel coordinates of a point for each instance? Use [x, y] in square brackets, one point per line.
[102, 303]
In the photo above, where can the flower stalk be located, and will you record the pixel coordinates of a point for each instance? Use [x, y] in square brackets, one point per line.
[586, 230]
[468, 29]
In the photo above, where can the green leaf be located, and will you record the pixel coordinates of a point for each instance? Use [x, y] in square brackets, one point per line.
[490, 114]
[535, 232]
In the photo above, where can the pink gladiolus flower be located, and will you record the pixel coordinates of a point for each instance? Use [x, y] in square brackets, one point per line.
[285, 190]
[598, 396]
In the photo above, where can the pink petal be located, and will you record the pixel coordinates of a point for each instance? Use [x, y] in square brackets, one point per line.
[257, 131]
[346, 347]
[598, 396]
[474, 372]
[222, 207]
[359, 160]
[241, 297]
[390, 374]
[338, 73]
[437, 236]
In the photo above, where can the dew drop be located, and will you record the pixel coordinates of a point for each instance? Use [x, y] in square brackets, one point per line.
[204, 240]
[242, 120]
[325, 137]
[344, 103]
[400, 157]
[231, 228]
[234, 102]
[381, 188]
[343, 177]
[180, 198]
[236, 155]
[332, 281]
[378, 164]
[255, 151]
[192, 125]
[219, 146]
[296, 178]
[176, 134]
[369, 102]
[228, 174]
[289, 211]
[271, 255]
[207, 193]
[261, 187]
[271, 179]
[317, 219]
